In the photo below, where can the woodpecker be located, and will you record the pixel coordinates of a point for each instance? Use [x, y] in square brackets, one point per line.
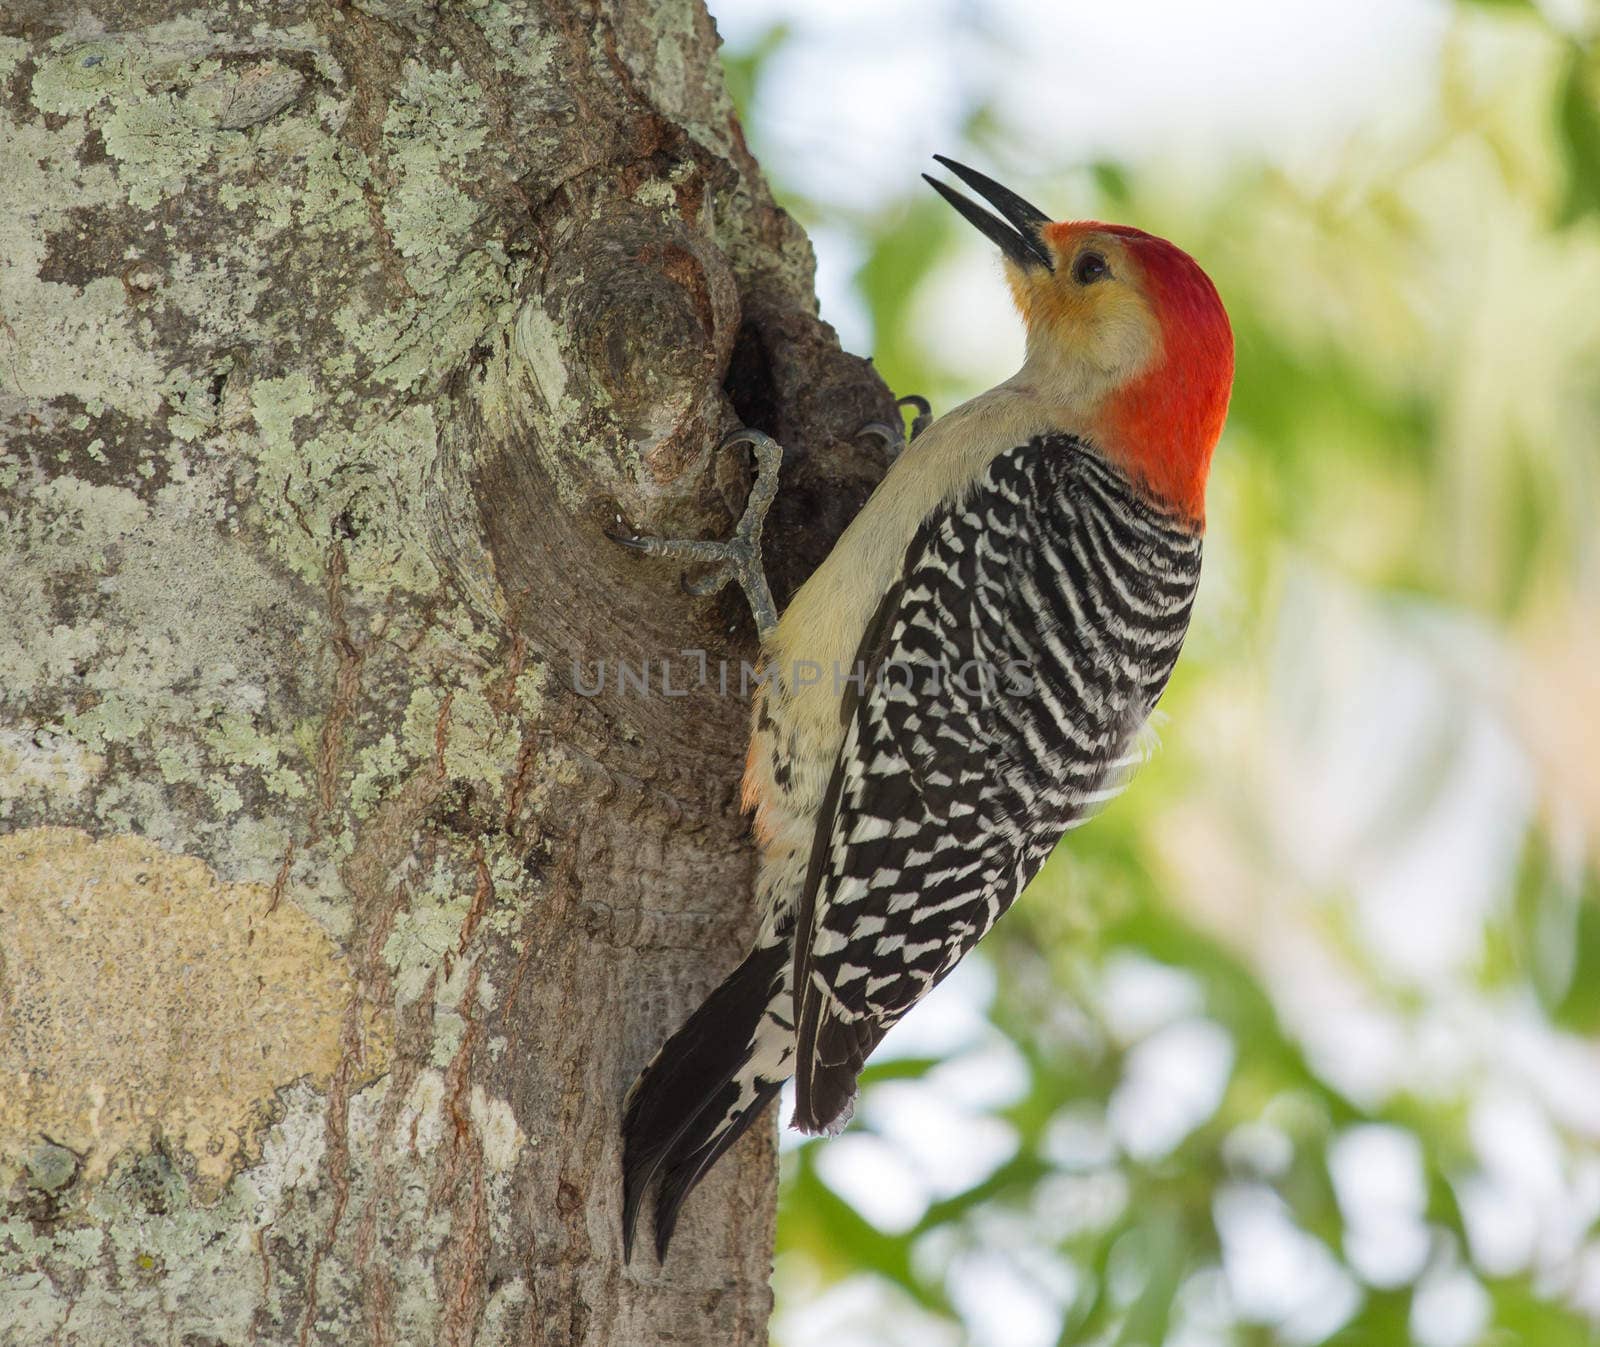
[992, 631]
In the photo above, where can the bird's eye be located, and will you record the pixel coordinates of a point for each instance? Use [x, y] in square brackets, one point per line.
[1089, 268]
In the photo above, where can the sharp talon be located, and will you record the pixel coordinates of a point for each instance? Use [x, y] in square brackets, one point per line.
[895, 438]
[891, 437]
[924, 409]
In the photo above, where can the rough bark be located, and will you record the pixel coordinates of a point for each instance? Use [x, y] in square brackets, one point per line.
[334, 918]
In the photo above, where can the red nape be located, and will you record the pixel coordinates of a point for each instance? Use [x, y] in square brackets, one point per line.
[1168, 420]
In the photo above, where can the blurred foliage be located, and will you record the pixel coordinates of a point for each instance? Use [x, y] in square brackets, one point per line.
[1391, 669]
[1580, 133]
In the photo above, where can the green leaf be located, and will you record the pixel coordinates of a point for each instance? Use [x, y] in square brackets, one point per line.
[1578, 125]
[840, 1241]
[898, 1068]
[742, 69]
[1579, 1008]
[1522, 1317]
[1112, 180]
[1384, 1320]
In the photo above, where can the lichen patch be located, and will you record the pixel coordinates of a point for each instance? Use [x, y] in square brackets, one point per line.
[142, 996]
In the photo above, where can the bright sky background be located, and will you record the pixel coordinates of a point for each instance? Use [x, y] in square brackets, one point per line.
[865, 92]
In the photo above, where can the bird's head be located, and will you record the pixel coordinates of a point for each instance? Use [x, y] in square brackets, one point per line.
[1126, 336]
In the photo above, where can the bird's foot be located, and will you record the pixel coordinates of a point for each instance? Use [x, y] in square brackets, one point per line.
[737, 558]
[895, 439]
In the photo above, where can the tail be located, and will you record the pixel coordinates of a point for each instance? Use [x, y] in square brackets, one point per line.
[711, 1080]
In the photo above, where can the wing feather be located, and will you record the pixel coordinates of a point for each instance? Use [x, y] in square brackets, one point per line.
[952, 784]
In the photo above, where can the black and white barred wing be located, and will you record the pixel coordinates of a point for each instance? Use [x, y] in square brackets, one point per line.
[1007, 675]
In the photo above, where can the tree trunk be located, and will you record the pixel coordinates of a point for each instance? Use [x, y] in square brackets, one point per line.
[337, 908]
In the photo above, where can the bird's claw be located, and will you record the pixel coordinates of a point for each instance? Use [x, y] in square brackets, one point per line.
[895, 439]
[738, 558]
[924, 409]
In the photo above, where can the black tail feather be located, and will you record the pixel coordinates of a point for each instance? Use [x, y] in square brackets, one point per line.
[678, 1089]
[690, 1161]
[825, 1085]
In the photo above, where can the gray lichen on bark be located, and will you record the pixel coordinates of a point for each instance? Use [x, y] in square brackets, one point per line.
[331, 339]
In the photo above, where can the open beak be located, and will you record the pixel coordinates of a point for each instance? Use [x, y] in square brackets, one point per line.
[1017, 229]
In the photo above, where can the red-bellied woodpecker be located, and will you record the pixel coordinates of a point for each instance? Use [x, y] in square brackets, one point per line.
[991, 631]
